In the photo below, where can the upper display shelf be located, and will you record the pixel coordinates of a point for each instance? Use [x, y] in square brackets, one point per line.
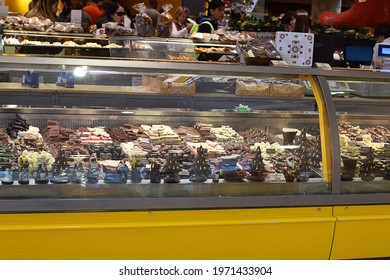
[183, 68]
[21, 62]
[8, 32]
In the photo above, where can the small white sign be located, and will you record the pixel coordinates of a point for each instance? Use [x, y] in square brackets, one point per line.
[126, 22]
[2, 2]
[278, 63]
[75, 17]
[275, 178]
[3, 11]
[295, 48]
[323, 66]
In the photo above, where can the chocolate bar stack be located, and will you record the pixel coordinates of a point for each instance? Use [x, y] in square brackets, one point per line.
[16, 125]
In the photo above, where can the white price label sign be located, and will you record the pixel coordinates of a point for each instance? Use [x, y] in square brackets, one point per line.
[3, 11]
[276, 178]
[75, 17]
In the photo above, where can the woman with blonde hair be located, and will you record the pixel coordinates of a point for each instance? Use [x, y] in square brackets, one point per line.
[179, 26]
[44, 9]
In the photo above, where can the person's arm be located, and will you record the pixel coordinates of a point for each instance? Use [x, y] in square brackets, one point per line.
[179, 33]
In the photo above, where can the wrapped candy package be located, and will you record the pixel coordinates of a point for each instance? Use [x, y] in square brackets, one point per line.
[143, 22]
[164, 25]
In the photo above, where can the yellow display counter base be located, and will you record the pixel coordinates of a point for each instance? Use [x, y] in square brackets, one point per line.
[340, 232]
[361, 232]
[274, 233]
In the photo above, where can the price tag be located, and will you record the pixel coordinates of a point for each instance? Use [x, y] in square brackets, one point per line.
[276, 178]
[136, 81]
[75, 17]
[323, 66]
[333, 85]
[270, 151]
[279, 63]
[3, 10]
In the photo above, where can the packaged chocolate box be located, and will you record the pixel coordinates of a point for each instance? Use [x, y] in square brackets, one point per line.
[287, 90]
[252, 87]
[176, 85]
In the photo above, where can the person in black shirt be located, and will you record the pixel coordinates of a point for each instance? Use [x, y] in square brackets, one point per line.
[215, 13]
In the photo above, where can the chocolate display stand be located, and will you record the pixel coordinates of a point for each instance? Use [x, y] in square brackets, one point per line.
[257, 167]
[316, 154]
[231, 172]
[348, 171]
[289, 135]
[93, 170]
[171, 169]
[61, 169]
[367, 167]
[24, 175]
[119, 175]
[303, 152]
[386, 174]
[42, 176]
[8, 177]
[155, 171]
[290, 172]
[78, 175]
[136, 171]
[200, 168]
[217, 174]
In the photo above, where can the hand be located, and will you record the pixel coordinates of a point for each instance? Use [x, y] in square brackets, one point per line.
[189, 26]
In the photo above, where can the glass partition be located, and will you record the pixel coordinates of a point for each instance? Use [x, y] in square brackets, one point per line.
[173, 131]
[364, 131]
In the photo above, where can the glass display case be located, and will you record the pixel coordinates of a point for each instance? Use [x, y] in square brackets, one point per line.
[121, 140]
[116, 45]
[153, 48]
[260, 134]
[242, 116]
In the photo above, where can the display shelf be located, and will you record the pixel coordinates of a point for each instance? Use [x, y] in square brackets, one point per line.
[184, 189]
[359, 186]
[8, 32]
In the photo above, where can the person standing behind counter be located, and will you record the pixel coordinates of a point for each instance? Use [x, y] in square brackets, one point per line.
[114, 13]
[93, 11]
[66, 13]
[44, 9]
[179, 27]
[382, 35]
[288, 21]
[215, 12]
[296, 21]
